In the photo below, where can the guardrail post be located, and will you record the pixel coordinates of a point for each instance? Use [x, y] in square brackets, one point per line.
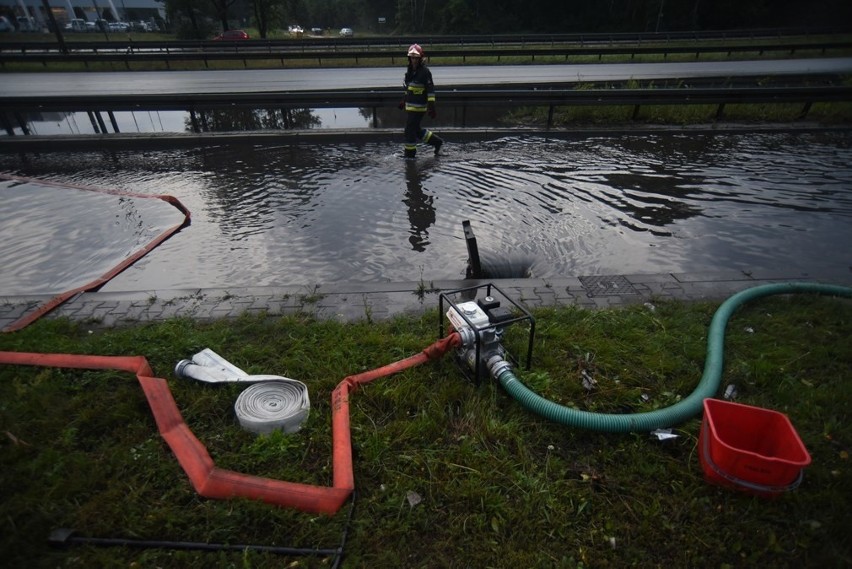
[549, 117]
[101, 122]
[113, 121]
[720, 111]
[23, 124]
[805, 110]
[7, 126]
[94, 122]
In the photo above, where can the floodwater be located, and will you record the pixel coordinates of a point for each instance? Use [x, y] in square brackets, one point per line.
[309, 214]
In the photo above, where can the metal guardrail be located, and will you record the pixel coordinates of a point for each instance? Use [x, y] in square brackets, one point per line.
[131, 55]
[13, 109]
[129, 52]
[785, 34]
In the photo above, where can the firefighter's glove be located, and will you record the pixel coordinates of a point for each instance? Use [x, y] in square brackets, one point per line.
[430, 108]
[401, 105]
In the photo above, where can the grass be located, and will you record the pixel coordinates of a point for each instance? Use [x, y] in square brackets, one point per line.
[679, 115]
[447, 474]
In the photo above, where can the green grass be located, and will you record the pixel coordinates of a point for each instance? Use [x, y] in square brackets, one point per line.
[500, 487]
[680, 115]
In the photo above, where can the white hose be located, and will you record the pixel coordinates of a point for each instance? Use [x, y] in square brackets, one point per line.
[273, 403]
[281, 405]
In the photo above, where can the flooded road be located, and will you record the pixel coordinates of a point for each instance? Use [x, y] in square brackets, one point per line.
[592, 205]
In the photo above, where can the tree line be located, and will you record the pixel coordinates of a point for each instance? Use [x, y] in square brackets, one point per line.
[200, 18]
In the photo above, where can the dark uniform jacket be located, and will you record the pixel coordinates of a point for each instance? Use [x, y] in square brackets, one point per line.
[419, 89]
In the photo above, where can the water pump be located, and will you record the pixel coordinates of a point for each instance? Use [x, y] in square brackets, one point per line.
[482, 320]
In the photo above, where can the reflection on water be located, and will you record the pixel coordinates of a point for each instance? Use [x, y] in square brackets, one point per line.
[237, 120]
[308, 214]
[232, 120]
[421, 210]
[59, 238]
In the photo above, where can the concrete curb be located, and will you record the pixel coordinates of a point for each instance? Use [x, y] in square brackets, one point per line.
[350, 302]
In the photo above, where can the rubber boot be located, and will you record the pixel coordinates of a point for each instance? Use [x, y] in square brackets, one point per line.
[410, 153]
[437, 142]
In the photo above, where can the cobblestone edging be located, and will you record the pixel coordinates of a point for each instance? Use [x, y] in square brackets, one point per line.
[351, 302]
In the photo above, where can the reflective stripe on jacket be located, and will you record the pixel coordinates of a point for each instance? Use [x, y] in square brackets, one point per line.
[419, 89]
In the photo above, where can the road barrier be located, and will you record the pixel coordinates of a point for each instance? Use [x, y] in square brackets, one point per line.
[128, 52]
[13, 109]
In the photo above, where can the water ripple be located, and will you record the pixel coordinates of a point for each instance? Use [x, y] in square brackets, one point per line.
[308, 214]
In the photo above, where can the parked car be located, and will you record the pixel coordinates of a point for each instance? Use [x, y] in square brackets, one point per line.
[26, 24]
[316, 31]
[232, 35]
[295, 31]
[76, 25]
[346, 32]
[119, 26]
[140, 26]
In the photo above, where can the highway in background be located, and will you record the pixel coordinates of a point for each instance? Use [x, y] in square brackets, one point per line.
[318, 79]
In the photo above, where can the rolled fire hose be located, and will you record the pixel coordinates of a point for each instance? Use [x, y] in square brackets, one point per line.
[272, 403]
[674, 414]
[273, 406]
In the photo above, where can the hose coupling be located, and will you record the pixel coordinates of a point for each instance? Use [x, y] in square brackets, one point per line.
[467, 336]
[181, 365]
[497, 365]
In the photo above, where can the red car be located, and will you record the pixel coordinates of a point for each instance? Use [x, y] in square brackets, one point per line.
[232, 35]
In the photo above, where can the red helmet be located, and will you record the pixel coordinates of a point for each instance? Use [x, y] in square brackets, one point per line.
[415, 51]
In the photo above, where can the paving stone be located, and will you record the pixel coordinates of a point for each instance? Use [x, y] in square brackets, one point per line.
[359, 301]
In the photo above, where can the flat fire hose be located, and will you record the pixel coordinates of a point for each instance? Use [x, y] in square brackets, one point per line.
[272, 403]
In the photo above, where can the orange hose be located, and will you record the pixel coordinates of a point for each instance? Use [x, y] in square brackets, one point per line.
[62, 297]
[212, 482]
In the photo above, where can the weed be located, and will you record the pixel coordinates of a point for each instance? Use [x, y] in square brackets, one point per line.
[312, 296]
[368, 309]
[422, 288]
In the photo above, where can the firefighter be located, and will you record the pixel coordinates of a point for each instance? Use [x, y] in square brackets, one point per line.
[419, 100]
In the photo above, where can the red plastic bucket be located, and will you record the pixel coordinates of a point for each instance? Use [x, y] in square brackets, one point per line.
[750, 448]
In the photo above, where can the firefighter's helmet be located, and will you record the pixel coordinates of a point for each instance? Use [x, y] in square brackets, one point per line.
[415, 51]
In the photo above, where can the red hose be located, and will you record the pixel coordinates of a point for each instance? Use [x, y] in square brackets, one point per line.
[212, 482]
[60, 298]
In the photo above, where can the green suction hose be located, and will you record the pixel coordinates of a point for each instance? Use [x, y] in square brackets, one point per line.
[680, 411]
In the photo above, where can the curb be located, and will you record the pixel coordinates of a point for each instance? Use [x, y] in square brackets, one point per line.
[351, 302]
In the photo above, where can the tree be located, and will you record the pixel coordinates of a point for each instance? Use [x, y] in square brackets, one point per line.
[190, 18]
[268, 14]
[221, 7]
